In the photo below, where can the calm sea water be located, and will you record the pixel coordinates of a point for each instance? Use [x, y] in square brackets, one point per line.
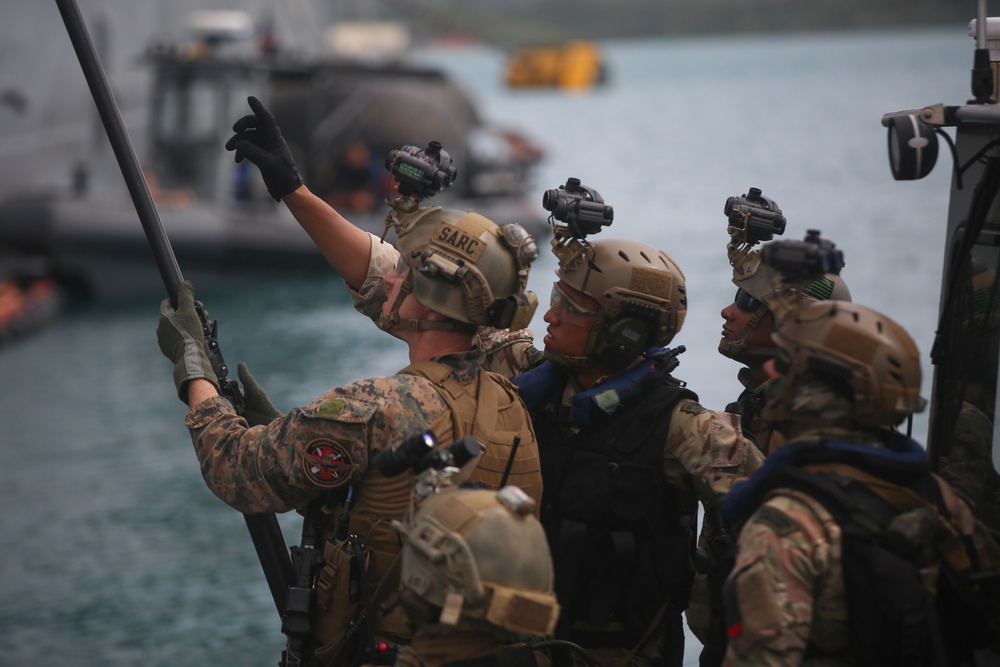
[114, 551]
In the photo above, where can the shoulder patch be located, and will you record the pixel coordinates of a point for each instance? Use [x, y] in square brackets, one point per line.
[692, 407]
[328, 464]
[775, 519]
[331, 409]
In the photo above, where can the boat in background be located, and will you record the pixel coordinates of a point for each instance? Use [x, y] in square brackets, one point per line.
[575, 65]
[29, 295]
[340, 114]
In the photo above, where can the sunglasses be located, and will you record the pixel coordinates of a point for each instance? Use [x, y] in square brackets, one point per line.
[745, 302]
[560, 300]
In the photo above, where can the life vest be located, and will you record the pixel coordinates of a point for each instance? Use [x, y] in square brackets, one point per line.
[889, 507]
[620, 544]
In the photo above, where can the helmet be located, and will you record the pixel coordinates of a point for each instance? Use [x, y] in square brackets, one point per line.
[759, 280]
[640, 291]
[481, 554]
[850, 346]
[467, 268]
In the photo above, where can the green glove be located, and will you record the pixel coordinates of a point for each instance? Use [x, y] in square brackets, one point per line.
[258, 139]
[259, 408]
[182, 340]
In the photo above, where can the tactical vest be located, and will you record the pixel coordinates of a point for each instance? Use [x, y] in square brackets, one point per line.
[620, 545]
[891, 520]
[492, 412]
[487, 408]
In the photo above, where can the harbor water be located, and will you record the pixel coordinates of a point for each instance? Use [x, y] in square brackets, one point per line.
[114, 551]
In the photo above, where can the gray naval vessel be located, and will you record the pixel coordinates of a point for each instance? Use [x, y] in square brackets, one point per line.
[963, 440]
[62, 202]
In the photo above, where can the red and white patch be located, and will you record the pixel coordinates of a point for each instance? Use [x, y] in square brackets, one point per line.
[328, 463]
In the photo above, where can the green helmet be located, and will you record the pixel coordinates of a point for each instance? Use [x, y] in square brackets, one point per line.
[851, 347]
[640, 291]
[467, 268]
[481, 554]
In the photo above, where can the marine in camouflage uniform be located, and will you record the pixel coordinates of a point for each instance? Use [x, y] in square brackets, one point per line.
[844, 373]
[627, 451]
[319, 457]
[746, 338]
[702, 453]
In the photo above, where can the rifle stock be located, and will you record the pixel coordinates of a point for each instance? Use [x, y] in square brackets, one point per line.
[264, 529]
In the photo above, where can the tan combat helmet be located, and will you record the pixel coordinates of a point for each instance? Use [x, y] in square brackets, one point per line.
[852, 347]
[758, 281]
[481, 554]
[467, 268]
[640, 291]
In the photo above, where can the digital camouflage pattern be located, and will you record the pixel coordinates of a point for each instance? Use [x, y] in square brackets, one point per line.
[505, 352]
[322, 447]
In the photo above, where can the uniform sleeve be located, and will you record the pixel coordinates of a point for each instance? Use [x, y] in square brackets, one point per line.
[312, 450]
[508, 353]
[711, 448]
[783, 556]
[369, 298]
[282, 465]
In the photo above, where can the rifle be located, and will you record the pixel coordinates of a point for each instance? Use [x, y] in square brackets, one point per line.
[264, 529]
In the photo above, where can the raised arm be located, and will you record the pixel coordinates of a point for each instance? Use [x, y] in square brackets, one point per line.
[258, 139]
[347, 248]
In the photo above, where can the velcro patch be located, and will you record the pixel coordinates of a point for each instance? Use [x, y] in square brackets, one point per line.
[458, 242]
[776, 520]
[692, 407]
[328, 464]
[331, 409]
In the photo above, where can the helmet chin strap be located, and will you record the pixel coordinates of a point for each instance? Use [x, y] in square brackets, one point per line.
[388, 322]
[732, 348]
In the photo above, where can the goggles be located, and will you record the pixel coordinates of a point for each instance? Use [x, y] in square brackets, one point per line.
[560, 300]
[401, 267]
[745, 302]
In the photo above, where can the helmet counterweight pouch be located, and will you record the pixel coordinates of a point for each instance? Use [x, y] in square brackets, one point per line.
[514, 312]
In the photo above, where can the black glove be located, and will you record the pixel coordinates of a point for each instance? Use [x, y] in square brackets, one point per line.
[259, 408]
[182, 340]
[259, 140]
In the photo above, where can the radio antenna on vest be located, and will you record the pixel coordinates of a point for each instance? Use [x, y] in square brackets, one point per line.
[510, 461]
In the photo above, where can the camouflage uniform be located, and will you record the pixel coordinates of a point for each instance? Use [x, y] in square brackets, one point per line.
[786, 598]
[319, 449]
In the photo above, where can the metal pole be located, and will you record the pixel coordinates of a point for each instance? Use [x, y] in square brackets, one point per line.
[265, 532]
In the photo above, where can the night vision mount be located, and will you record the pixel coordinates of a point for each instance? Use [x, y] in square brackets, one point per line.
[580, 209]
[753, 218]
[799, 263]
[576, 212]
[419, 173]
